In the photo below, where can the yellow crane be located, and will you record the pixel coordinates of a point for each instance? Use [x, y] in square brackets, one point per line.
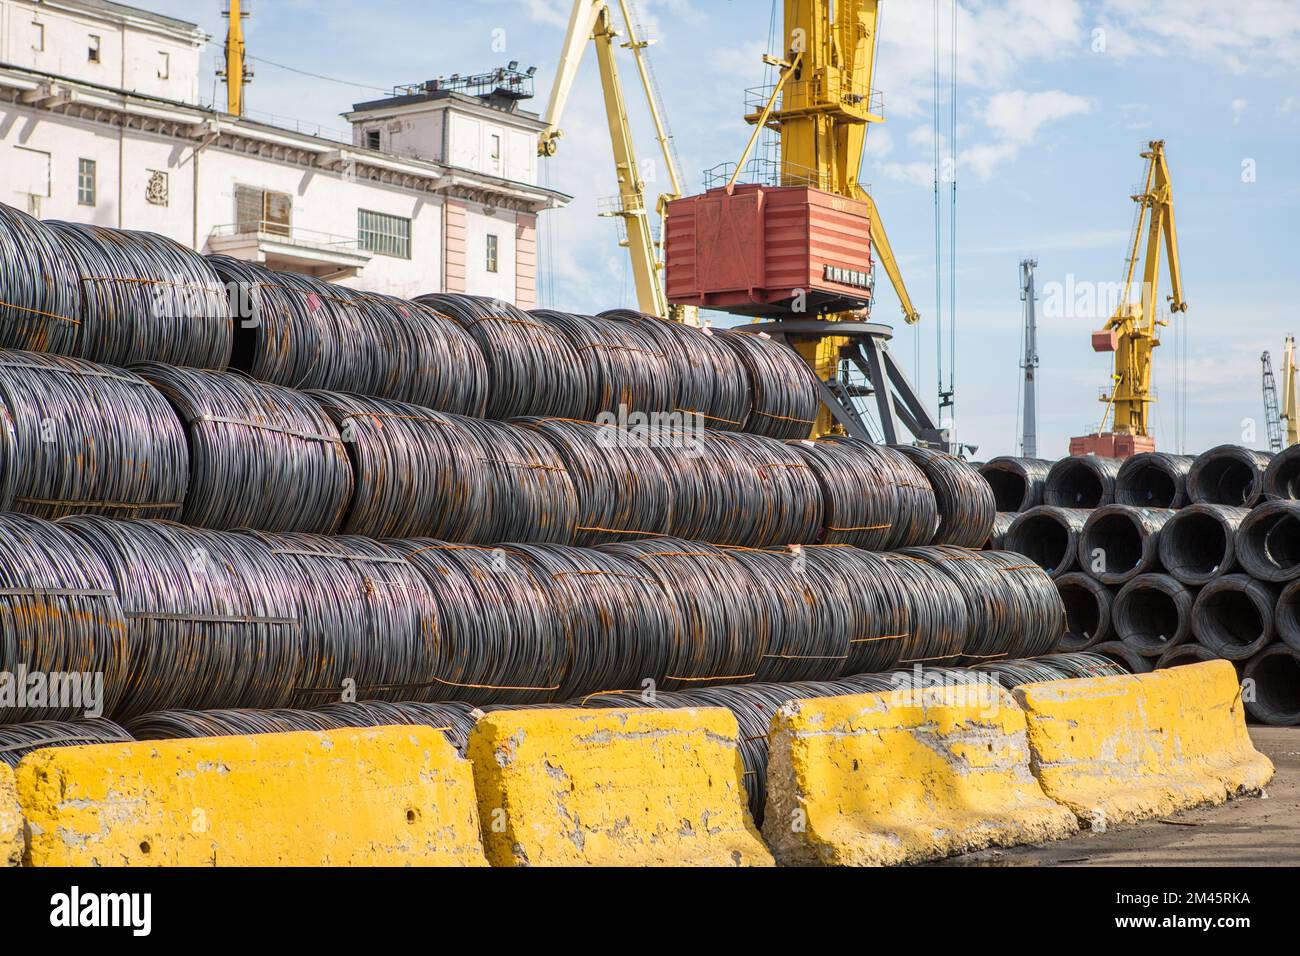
[236, 73]
[594, 20]
[1290, 393]
[1133, 332]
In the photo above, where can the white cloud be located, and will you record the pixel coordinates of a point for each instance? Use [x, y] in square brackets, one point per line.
[1016, 116]
[1236, 35]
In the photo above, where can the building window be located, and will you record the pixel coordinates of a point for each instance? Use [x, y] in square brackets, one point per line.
[38, 37]
[496, 148]
[164, 65]
[492, 261]
[263, 210]
[372, 139]
[92, 54]
[86, 182]
[386, 235]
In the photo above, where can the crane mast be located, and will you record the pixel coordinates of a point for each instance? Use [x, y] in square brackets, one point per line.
[236, 72]
[1290, 393]
[1272, 413]
[1029, 295]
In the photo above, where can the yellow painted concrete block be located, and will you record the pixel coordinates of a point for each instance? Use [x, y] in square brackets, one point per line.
[1122, 749]
[389, 796]
[903, 777]
[11, 820]
[613, 788]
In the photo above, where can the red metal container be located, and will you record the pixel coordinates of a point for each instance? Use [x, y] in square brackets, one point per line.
[1110, 445]
[765, 250]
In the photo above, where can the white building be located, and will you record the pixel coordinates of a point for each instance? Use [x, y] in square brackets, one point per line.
[100, 121]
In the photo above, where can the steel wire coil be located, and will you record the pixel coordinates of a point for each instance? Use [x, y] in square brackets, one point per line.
[625, 370]
[706, 376]
[422, 473]
[1119, 542]
[783, 391]
[1017, 483]
[1268, 541]
[1035, 602]
[1198, 542]
[260, 456]
[880, 631]
[1081, 481]
[1282, 477]
[1088, 605]
[40, 292]
[859, 495]
[1233, 616]
[77, 437]
[1120, 652]
[1048, 536]
[937, 615]
[1153, 479]
[145, 298]
[499, 638]
[1228, 475]
[18, 740]
[991, 630]
[1275, 674]
[531, 368]
[622, 489]
[1153, 613]
[964, 500]
[1083, 664]
[916, 510]
[1002, 522]
[59, 615]
[1287, 615]
[1189, 653]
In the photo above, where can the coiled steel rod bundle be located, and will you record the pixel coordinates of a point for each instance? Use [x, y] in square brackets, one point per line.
[77, 437]
[531, 368]
[1119, 542]
[1198, 543]
[1233, 616]
[916, 510]
[1275, 673]
[1124, 655]
[1088, 606]
[59, 615]
[1049, 536]
[1153, 479]
[1228, 475]
[964, 499]
[145, 298]
[1002, 522]
[783, 391]
[858, 487]
[625, 372]
[1052, 667]
[1017, 483]
[1268, 541]
[991, 630]
[1287, 615]
[1081, 481]
[707, 376]
[1282, 477]
[499, 639]
[260, 456]
[1190, 653]
[18, 740]
[422, 473]
[1035, 602]
[1153, 613]
[40, 295]
[880, 621]
[938, 617]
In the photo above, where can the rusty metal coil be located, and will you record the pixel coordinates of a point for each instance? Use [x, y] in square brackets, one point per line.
[1121, 653]
[1268, 541]
[1228, 475]
[1088, 605]
[991, 631]
[18, 740]
[1275, 673]
[531, 368]
[77, 437]
[916, 510]
[1233, 616]
[1081, 481]
[145, 298]
[1153, 479]
[260, 456]
[1153, 613]
[40, 292]
[783, 391]
[1198, 542]
[879, 627]
[1190, 653]
[858, 490]
[422, 473]
[1017, 483]
[1052, 667]
[59, 614]
[1287, 615]
[937, 616]
[1282, 477]
[1048, 536]
[1119, 542]
[964, 500]
[1035, 602]
[706, 376]
[1002, 522]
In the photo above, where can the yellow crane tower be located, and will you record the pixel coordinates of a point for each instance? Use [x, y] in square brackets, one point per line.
[236, 72]
[1133, 332]
[1290, 394]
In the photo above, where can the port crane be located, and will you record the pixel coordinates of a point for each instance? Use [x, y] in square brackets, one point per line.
[1272, 411]
[1029, 362]
[1290, 412]
[1133, 332]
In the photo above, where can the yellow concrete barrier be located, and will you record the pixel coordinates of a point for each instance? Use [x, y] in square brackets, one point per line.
[613, 788]
[1122, 749]
[902, 777]
[11, 820]
[382, 797]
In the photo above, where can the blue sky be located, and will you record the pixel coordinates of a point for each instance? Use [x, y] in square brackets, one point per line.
[1055, 100]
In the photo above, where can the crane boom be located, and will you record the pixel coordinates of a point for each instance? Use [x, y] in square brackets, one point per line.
[1290, 393]
[1272, 414]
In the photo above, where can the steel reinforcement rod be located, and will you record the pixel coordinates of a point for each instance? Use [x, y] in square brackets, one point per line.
[18, 740]
[1189, 653]
[1119, 542]
[1287, 615]
[40, 301]
[1002, 523]
[964, 499]
[1275, 673]
[1081, 481]
[1282, 477]
[783, 391]
[1049, 536]
[1017, 483]
[1228, 475]
[1233, 616]
[1153, 613]
[1199, 543]
[1268, 541]
[1153, 479]
[1088, 610]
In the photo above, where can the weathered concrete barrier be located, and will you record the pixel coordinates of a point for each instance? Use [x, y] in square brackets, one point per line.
[11, 820]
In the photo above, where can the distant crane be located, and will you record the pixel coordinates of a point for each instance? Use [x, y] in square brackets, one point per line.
[1272, 413]
[236, 73]
[1029, 295]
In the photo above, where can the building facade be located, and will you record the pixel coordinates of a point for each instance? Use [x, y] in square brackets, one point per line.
[435, 190]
